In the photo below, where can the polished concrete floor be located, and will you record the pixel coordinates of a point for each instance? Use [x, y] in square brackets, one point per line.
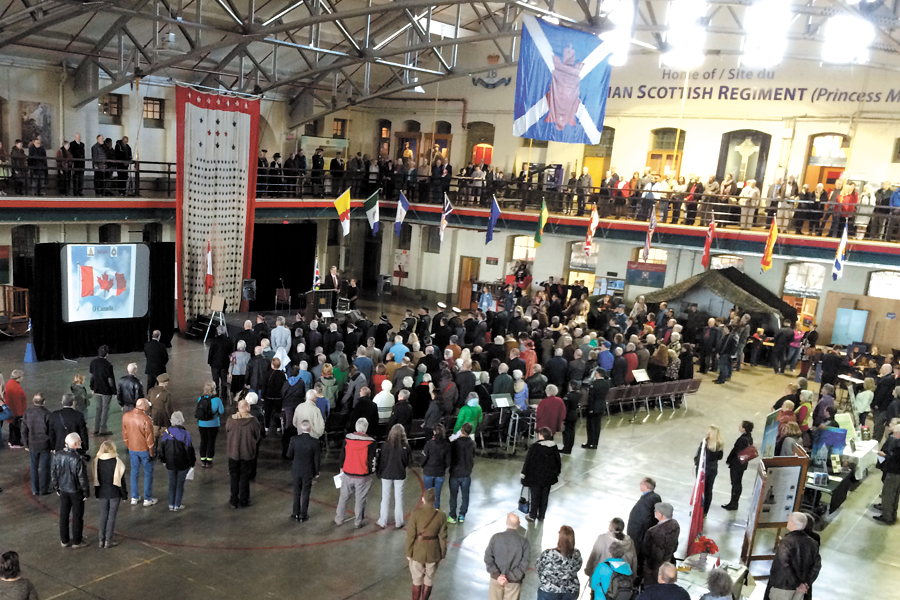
[211, 551]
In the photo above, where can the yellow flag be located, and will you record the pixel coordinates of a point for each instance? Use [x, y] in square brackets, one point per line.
[766, 262]
[342, 205]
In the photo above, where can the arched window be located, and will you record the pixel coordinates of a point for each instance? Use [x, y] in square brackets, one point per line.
[111, 233]
[744, 154]
[884, 284]
[656, 256]
[804, 279]
[442, 127]
[411, 126]
[826, 159]
[667, 137]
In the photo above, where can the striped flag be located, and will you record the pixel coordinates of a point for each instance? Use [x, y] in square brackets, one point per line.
[708, 246]
[592, 228]
[316, 278]
[445, 214]
[838, 268]
[645, 253]
[766, 262]
[542, 220]
[371, 208]
[402, 209]
[696, 527]
[209, 274]
[495, 214]
[342, 205]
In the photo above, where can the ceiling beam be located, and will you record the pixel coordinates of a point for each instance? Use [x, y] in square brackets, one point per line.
[55, 17]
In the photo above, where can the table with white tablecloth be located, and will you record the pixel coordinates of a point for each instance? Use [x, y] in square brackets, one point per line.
[693, 572]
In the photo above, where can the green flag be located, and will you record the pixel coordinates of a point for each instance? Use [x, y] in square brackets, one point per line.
[542, 220]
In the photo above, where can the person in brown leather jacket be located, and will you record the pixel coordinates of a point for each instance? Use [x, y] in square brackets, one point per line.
[137, 433]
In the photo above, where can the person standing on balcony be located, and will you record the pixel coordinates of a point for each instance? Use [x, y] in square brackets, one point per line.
[37, 165]
[19, 165]
[318, 174]
[336, 168]
[76, 148]
[98, 162]
[64, 169]
[123, 160]
[584, 185]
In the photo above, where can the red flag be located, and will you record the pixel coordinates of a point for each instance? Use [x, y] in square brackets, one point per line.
[209, 274]
[709, 237]
[697, 497]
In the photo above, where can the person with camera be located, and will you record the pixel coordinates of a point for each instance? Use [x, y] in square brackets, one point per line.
[737, 462]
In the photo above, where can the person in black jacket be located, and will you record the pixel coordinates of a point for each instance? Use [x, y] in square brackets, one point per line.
[540, 471]
[130, 389]
[176, 450]
[728, 346]
[366, 409]
[797, 562]
[37, 166]
[76, 148]
[572, 400]
[275, 380]
[596, 406]
[103, 384]
[884, 395]
[402, 412]
[305, 453]
[462, 461]
[708, 345]
[36, 437]
[293, 394]
[257, 372]
[435, 461]
[69, 478]
[890, 468]
[157, 358]
[736, 468]
[218, 360]
[643, 516]
[65, 421]
[394, 460]
[782, 344]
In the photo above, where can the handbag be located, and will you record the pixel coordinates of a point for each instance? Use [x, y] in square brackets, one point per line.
[524, 503]
[747, 454]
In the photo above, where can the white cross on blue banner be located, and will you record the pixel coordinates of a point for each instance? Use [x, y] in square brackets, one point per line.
[562, 84]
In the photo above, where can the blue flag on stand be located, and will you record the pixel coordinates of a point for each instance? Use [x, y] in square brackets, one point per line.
[495, 214]
[562, 84]
[840, 258]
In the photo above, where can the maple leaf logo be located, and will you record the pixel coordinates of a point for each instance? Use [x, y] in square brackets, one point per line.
[105, 282]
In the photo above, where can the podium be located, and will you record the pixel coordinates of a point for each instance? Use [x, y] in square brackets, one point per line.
[316, 301]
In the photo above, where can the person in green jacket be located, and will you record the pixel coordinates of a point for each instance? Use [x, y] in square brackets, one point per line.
[470, 413]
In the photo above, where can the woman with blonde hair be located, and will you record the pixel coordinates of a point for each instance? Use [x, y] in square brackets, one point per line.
[714, 452]
[862, 402]
[109, 489]
[864, 212]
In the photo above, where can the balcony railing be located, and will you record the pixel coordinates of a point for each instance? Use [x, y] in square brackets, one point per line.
[793, 215]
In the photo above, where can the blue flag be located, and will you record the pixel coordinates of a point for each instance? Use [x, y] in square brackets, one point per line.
[562, 84]
[495, 214]
[402, 209]
[837, 269]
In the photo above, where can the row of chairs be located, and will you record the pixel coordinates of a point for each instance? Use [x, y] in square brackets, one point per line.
[657, 392]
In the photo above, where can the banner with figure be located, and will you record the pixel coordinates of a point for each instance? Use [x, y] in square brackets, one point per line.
[561, 84]
[217, 140]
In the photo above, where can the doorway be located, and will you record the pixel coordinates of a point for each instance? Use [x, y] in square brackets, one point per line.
[269, 268]
[469, 268]
[24, 237]
[826, 158]
[371, 261]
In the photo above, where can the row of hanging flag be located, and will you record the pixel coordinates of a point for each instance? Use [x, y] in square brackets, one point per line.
[342, 205]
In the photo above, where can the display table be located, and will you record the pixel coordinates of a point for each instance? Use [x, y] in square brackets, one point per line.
[836, 489]
[864, 459]
[692, 575]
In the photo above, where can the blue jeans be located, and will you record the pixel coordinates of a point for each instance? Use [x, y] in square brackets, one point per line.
[437, 483]
[726, 365]
[40, 471]
[455, 484]
[793, 356]
[542, 595]
[141, 460]
[176, 486]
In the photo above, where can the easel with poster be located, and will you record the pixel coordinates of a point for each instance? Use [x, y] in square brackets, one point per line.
[776, 494]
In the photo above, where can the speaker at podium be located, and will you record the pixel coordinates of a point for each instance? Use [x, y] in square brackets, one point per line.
[318, 301]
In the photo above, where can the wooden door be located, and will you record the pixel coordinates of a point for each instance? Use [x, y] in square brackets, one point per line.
[469, 268]
[824, 175]
[664, 162]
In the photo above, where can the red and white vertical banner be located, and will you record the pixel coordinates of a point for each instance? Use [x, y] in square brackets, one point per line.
[697, 516]
[592, 228]
[217, 143]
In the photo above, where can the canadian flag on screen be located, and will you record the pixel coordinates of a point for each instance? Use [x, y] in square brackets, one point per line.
[209, 274]
[101, 282]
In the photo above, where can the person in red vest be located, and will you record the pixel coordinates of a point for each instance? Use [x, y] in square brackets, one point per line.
[17, 402]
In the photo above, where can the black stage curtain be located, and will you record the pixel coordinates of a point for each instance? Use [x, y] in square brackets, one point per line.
[55, 339]
[285, 252]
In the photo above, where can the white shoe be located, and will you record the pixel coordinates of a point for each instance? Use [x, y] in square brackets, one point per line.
[149, 502]
[134, 501]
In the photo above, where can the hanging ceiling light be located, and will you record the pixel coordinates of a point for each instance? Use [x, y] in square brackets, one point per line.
[685, 35]
[766, 23]
[847, 40]
[622, 16]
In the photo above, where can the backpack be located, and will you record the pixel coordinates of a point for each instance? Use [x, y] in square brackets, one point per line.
[204, 409]
[621, 587]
